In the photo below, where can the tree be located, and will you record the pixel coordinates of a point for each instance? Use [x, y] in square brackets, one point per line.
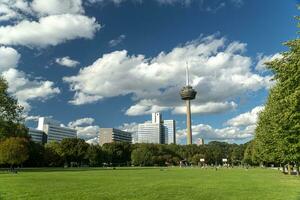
[36, 153]
[13, 151]
[73, 150]
[117, 153]
[278, 131]
[236, 154]
[142, 155]
[95, 155]
[52, 155]
[10, 114]
[217, 151]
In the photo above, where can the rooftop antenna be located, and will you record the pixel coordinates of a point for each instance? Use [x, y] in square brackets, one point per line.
[187, 74]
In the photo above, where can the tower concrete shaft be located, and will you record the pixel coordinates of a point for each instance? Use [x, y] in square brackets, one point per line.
[188, 122]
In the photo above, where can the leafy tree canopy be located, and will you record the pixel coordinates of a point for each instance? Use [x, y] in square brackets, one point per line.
[10, 114]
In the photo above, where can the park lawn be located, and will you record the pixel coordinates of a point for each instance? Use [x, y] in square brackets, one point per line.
[149, 183]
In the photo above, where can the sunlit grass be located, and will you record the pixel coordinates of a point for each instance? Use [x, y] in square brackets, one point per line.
[149, 183]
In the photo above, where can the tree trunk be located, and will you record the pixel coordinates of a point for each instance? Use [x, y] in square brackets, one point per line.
[289, 169]
[297, 169]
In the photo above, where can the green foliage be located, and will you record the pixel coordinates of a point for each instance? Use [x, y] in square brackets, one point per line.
[73, 150]
[95, 155]
[10, 114]
[52, 155]
[13, 151]
[76, 152]
[117, 153]
[278, 132]
[236, 154]
[142, 155]
[36, 153]
[217, 151]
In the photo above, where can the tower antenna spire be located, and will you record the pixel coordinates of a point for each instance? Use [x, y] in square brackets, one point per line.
[187, 76]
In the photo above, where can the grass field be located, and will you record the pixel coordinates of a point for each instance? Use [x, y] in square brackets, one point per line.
[149, 183]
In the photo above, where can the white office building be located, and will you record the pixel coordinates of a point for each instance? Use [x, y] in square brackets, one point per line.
[54, 130]
[150, 133]
[170, 131]
[37, 136]
[157, 131]
[109, 135]
[200, 141]
[156, 118]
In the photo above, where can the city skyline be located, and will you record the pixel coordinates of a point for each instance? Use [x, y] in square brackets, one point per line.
[116, 62]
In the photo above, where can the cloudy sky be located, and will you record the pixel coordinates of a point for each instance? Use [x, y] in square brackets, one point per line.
[110, 63]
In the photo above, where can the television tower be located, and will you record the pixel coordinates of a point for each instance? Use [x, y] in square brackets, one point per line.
[187, 94]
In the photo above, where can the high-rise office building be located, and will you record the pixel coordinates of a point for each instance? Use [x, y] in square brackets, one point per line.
[200, 141]
[157, 131]
[54, 130]
[150, 133]
[134, 137]
[37, 136]
[156, 118]
[170, 131]
[109, 135]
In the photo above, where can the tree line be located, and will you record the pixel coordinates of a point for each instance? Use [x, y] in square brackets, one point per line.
[75, 152]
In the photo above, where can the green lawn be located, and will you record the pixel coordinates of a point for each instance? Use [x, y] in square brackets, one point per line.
[149, 183]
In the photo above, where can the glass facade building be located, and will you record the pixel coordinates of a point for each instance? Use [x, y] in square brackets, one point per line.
[157, 131]
[170, 131]
[37, 136]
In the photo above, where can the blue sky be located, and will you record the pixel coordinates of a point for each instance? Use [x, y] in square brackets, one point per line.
[110, 63]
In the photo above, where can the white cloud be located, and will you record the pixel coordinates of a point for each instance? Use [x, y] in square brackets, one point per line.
[82, 121]
[85, 128]
[50, 30]
[26, 90]
[129, 127]
[246, 119]
[210, 107]
[87, 132]
[14, 9]
[116, 41]
[82, 98]
[94, 141]
[67, 61]
[19, 5]
[54, 7]
[208, 133]
[31, 117]
[262, 59]
[219, 73]
[144, 107]
[9, 58]
[18, 9]
[239, 128]
[20, 85]
[7, 13]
